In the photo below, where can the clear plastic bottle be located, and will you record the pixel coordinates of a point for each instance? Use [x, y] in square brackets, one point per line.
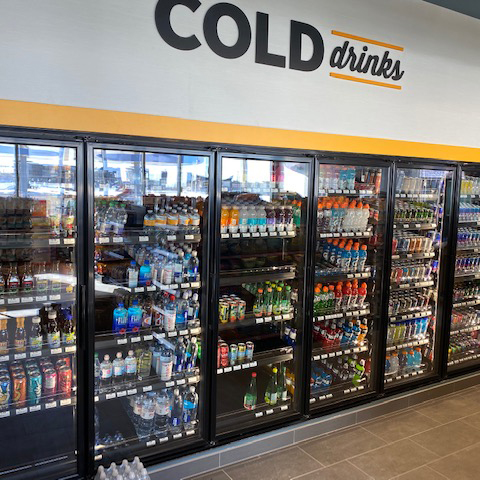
[166, 363]
[243, 219]
[193, 267]
[180, 356]
[261, 218]
[97, 373]
[106, 370]
[132, 275]
[130, 367]
[176, 413]
[118, 369]
[35, 337]
[181, 316]
[178, 276]
[145, 424]
[135, 314]
[193, 309]
[162, 412]
[120, 319]
[190, 405]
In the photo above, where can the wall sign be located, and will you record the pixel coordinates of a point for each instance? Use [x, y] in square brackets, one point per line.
[352, 55]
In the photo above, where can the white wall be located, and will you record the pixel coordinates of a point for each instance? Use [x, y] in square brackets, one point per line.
[108, 54]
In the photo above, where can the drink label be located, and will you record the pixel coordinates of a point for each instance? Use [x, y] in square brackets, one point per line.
[166, 370]
[106, 373]
[148, 413]
[162, 408]
[118, 371]
[54, 339]
[69, 338]
[131, 367]
[176, 421]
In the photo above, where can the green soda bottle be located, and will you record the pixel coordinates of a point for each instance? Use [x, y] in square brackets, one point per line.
[286, 300]
[250, 398]
[272, 389]
[258, 306]
[268, 302]
[282, 391]
[277, 301]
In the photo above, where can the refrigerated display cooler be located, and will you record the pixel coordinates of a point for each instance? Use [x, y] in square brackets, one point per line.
[347, 298]
[464, 344]
[423, 198]
[38, 308]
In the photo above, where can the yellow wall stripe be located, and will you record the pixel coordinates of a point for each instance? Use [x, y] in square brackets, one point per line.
[365, 80]
[367, 40]
[40, 115]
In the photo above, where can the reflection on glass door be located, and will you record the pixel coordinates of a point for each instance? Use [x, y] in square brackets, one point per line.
[420, 200]
[262, 250]
[464, 347]
[38, 315]
[348, 274]
[150, 214]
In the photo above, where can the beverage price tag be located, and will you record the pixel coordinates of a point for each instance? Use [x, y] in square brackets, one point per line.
[259, 320]
[109, 396]
[290, 233]
[278, 317]
[177, 436]
[268, 319]
[55, 351]
[316, 357]
[27, 299]
[255, 234]
[237, 367]
[417, 225]
[37, 353]
[151, 288]
[172, 334]
[42, 298]
[20, 356]
[324, 355]
[13, 300]
[55, 297]
[182, 381]
[169, 384]
[258, 414]
[195, 331]
[70, 349]
[406, 225]
[147, 388]
[21, 411]
[97, 398]
[103, 240]
[123, 393]
[163, 440]
[65, 401]
[98, 457]
[184, 285]
[269, 412]
[121, 341]
[247, 235]
[35, 408]
[183, 332]
[189, 237]
[54, 241]
[225, 235]
[4, 414]
[264, 234]
[139, 289]
[135, 339]
[69, 241]
[171, 238]
[283, 408]
[195, 284]
[143, 238]
[146, 338]
[219, 371]
[312, 400]
[189, 432]
[253, 364]
[117, 239]
[346, 391]
[245, 365]
[51, 405]
[226, 370]
[193, 379]
[151, 443]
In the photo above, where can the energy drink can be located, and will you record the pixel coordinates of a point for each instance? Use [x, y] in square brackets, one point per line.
[242, 305]
[242, 348]
[65, 381]
[34, 388]
[49, 382]
[19, 390]
[233, 310]
[5, 391]
[223, 355]
[233, 354]
[224, 312]
[249, 351]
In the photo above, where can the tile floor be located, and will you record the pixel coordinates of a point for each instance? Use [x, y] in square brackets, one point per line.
[439, 439]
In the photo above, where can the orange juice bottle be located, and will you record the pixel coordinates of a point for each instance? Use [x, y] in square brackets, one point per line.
[233, 219]
[224, 218]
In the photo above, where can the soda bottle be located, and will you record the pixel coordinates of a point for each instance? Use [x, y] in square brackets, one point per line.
[277, 301]
[27, 279]
[13, 281]
[118, 369]
[162, 411]
[106, 372]
[259, 305]
[35, 337]
[282, 391]
[176, 413]
[20, 339]
[53, 332]
[190, 404]
[145, 422]
[130, 367]
[68, 329]
[272, 389]
[250, 398]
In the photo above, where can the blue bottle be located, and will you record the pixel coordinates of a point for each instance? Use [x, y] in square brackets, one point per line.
[355, 332]
[134, 317]
[362, 258]
[347, 333]
[145, 275]
[417, 359]
[326, 380]
[120, 319]
[355, 251]
[351, 178]
[410, 361]
[346, 259]
[343, 179]
[335, 225]
[181, 314]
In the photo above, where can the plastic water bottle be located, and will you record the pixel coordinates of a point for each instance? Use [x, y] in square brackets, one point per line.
[130, 367]
[191, 355]
[145, 275]
[98, 373]
[145, 424]
[261, 219]
[106, 372]
[162, 411]
[190, 408]
[193, 308]
[180, 353]
[193, 267]
[176, 413]
[132, 275]
[120, 319]
[243, 219]
[166, 364]
[170, 314]
[118, 369]
[252, 219]
[134, 317]
[181, 315]
[168, 270]
[178, 268]
[342, 179]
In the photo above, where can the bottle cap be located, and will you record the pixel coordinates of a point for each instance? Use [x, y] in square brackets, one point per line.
[274, 370]
[364, 247]
[356, 246]
[36, 320]
[348, 248]
[52, 314]
[192, 389]
[260, 290]
[106, 357]
[254, 374]
[119, 354]
[330, 287]
[335, 205]
[329, 205]
[133, 263]
[325, 289]
[130, 352]
[366, 206]
[120, 305]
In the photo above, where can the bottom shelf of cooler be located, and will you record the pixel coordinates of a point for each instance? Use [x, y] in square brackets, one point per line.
[337, 392]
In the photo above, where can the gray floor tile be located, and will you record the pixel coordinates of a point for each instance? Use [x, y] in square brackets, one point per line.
[461, 465]
[340, 471]
[450, 408]
[340, 446]
[282, 465]
[400, 425]
[422, 473]
[216, 475]
[448, 438]
[394, 459]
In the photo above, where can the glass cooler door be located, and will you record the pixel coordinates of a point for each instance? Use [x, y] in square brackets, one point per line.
[464, 347]
[38, 310]
[349, 255]
[150, 218]
[419, 240]
[261, 284]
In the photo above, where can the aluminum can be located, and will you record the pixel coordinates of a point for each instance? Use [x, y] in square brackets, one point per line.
[233, 354]
[49, 382]
[5, 391]
[34, 388]
[224, 355]
[59, 364]
[249, 352]
[233, 310]
[65, 381]
[242, 348]
[224, 312]
[242, 306]
[66, 359]
[19, 390]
